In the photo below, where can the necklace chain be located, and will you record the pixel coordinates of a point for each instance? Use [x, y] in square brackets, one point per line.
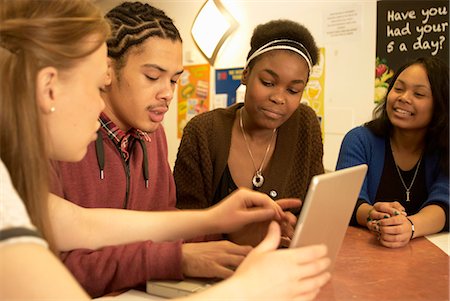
[258, 178]
[408, 189]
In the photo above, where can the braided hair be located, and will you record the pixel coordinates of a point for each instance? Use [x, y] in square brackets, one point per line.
[134, 22]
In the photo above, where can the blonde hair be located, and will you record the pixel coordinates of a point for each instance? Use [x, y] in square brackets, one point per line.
[35, 35]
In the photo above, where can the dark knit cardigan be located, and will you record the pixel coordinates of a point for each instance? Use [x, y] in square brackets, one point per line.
[204, 149]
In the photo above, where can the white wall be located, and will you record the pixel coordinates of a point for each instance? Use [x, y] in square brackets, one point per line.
[349, 70]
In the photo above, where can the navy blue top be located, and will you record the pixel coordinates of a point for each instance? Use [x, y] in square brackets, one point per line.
[361, 146]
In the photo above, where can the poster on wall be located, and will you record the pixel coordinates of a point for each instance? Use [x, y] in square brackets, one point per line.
[314, 90]
[193, 93]
[227, 82]
[408, 30]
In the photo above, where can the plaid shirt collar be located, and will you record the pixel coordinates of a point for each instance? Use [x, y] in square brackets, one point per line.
[120, 138]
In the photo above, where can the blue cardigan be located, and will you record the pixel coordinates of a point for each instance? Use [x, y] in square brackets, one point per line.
[361, 146]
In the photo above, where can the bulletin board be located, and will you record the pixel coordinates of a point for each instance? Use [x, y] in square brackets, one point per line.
[227, 82]
[314, 90]
[193, 94]
[407, 30]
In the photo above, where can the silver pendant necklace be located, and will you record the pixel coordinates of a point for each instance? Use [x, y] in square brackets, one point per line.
[408, 189]
[258, 179]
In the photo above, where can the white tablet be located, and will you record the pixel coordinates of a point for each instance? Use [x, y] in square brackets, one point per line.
[327, 209]
[324, 219]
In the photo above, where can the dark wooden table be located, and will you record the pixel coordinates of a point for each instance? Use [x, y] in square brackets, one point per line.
[367, 271]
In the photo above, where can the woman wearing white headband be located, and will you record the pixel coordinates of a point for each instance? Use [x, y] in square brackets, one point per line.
[53, 61]
[272, 143]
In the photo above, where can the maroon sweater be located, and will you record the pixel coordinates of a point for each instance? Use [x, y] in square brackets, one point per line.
[118, 267]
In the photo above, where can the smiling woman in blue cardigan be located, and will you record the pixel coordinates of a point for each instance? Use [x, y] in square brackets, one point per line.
[406, 191]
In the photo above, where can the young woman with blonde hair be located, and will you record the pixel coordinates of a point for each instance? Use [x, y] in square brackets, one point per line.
[52, 65]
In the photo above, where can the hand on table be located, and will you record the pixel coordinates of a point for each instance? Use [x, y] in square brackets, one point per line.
[214, 259]
[386, 209]
[389, 222]
[395, 231]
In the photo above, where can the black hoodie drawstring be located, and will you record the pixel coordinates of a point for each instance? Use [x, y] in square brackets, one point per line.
[100, 153]
[101, 157]
[145, 162]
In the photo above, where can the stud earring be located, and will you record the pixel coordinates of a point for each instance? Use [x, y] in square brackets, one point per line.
[52, 109]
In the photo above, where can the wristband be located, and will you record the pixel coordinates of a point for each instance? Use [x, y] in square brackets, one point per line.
[412, 228]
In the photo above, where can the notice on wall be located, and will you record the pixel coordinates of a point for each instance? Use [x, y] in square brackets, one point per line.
[343, 23]
[193, 94]
[407, 30]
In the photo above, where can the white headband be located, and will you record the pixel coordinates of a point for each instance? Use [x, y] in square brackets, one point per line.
[266, 47]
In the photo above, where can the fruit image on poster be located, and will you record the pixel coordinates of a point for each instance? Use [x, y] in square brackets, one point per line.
[407, 30]
[193, 94]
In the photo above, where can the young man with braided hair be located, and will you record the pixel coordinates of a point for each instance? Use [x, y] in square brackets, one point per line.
[127, 167]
